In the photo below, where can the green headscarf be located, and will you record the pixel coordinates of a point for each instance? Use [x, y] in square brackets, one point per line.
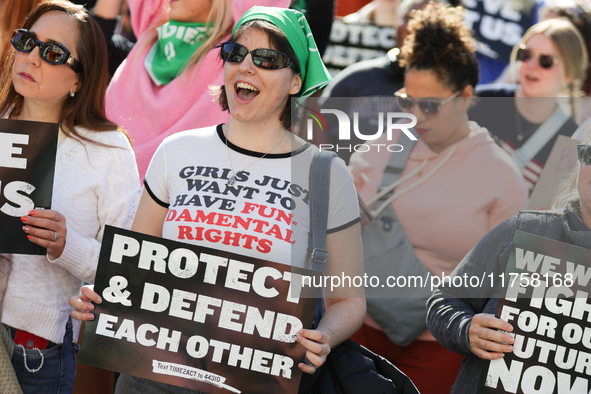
[295, 26]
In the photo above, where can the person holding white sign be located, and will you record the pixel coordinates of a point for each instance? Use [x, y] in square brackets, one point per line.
[243, 186]
[58, 73]
[463, 318]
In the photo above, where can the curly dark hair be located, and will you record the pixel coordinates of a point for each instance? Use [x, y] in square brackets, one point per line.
[440, 41]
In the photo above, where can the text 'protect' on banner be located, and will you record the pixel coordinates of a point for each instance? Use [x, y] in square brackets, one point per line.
[196, 317]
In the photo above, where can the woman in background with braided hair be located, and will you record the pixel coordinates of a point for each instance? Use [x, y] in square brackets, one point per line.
[458, 184]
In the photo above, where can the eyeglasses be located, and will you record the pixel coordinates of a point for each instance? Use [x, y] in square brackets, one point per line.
[268, 59]
[428, 106]
[584, 154]
[546, 61]
[53, 53]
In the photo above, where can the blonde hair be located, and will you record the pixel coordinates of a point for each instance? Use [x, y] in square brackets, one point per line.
[571, 45]
[439, 40]
[221, 19]
[568, 191]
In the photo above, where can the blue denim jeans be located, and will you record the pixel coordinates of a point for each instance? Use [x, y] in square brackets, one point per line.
[57, 374]
[131, 385]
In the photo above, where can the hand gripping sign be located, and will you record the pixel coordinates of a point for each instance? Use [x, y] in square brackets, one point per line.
[545, 296]
[27, 163]
[196, 317]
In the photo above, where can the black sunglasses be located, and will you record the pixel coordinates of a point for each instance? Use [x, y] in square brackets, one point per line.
[268, 59]
[53, 53]
[428, 106]
[546, 61]
[584, 154]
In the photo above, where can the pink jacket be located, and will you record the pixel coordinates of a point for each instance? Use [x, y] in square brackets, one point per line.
[476, 189]
[150, 113]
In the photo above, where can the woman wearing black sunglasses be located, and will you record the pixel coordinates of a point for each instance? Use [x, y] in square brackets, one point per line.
[463, 319]
[458, 185]
[261, 167]
[526, 119]
[163, 87]
[58, 73]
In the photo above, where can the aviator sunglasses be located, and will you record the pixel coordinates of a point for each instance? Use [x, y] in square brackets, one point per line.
[53, 53]
[268, 59]
[584, 154]
[545, 61]
[428, 106]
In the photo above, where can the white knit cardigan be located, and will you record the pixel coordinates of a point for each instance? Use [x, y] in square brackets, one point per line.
[94, 185]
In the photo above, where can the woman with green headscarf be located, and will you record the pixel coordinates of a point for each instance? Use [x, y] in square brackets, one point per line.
[270, 57]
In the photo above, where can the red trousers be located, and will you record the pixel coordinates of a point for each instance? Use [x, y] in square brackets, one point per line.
[431, 367]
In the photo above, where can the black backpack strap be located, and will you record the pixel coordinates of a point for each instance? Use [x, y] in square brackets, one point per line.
[319, 189]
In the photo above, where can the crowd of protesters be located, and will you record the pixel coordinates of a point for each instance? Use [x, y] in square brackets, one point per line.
[142, 89]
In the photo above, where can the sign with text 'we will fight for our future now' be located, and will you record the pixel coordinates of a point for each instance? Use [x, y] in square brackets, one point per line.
[196, 317]
[27, 165]
[545, 298]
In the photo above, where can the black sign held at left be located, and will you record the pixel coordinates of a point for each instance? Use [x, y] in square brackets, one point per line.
[27, 165]
[196, 317]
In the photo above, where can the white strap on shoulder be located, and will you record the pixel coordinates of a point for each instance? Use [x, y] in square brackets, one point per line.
[540, 138]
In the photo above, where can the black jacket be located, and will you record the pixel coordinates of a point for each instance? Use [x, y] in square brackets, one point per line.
[352, 369]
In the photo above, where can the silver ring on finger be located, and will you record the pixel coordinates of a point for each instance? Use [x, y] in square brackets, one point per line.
[54, 237]
[312, 365]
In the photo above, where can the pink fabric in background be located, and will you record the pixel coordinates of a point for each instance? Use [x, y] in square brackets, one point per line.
[150, 113]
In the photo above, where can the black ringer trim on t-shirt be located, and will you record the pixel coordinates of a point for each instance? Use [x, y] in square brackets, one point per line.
[165, 205]
[344, 226]
[259, 154]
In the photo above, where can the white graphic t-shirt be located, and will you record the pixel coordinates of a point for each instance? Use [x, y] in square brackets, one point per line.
[264, 215]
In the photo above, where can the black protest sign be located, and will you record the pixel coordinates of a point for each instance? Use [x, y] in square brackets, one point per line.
[27, 165]
[498, 25]
[196, 317]
[353, 42]
[546, 300]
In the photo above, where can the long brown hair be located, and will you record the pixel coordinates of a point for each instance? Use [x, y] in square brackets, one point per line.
[221, 19]
[15, 12]
[87, 108]
[439, 40]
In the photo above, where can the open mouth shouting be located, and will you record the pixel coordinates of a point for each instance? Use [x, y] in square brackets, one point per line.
[246, 91]
[531, 78]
